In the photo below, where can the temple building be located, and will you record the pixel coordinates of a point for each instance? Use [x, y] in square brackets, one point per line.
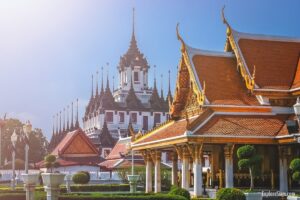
[75, 152]
[132, 101]
[223, 100]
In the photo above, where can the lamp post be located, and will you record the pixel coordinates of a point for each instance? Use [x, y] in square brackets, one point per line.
[297, 108]
[132, 178]
[1, 126]
[27, 128]
[14, 139]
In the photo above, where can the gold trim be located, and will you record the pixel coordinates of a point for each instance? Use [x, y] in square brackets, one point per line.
[249, 80]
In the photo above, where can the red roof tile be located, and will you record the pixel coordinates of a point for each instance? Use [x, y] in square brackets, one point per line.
[245, 125]
[223, 83]
[296, 82]
[75, 161]
[275, 61]
[169, 130]
[120, 149]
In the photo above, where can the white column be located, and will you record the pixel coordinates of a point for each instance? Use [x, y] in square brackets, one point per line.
[26, 158]
[148, 174]
[157, 182]
[198, 180]
[185, 171]
[228, 166]
[283, 168]
[175, 169]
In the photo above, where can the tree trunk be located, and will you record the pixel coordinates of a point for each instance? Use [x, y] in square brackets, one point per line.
[251, 179]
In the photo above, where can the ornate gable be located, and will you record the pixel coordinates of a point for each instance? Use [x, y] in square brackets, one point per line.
[79, 146]
[75, 143]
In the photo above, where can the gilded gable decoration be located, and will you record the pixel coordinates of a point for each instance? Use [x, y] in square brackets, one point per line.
[241, 66]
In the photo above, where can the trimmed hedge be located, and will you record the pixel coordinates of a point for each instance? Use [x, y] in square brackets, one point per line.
[121, 197]
[230, 194]
[180, 191]
[80, 178]
[13, 196]
[101, 188]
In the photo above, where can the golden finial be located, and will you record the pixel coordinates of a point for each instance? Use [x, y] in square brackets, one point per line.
[180, 38]
[226, 22]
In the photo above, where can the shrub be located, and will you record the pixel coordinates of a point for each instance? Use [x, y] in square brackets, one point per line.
[295, 164]
[180, 191]
[87, 173]
[296, 176]
[80, 178]
[246, 151]
[230, 194]
[295, 167]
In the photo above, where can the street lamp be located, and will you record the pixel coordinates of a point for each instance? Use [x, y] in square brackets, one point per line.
[14, 139]
[2, 123]
[27, 128]
[297, 108]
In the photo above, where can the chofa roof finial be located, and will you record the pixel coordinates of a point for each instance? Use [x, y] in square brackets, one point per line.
[180, 38]
[225, 21]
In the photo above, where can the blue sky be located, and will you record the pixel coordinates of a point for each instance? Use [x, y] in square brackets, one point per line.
[49, 49]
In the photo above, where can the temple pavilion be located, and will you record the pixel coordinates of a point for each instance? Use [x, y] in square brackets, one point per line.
[223, 100]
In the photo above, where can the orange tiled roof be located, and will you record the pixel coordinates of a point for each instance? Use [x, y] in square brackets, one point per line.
[109, 164]
[119, 150]
[296, 82]
[245, 125]
[172, 129]
[69, 138]
[223, 83]
[275, 61]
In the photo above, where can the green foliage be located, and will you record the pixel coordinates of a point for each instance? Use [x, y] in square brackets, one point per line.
[141, 171]
[244, 163]
[101, 188]
[230, 194]
[50, 158]
[295, 164]
[37, 142]
[50, 162]
[180, 191]
[296, 176]
[246, 152]
[80, 178]
[87, 173]
[248, 159]
[127, 196]
[295, 167]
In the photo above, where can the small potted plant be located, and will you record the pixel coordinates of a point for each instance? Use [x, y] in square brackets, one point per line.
[52, 180]
[295, 167]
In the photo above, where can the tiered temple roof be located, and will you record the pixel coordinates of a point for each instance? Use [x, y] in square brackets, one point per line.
[242, 95]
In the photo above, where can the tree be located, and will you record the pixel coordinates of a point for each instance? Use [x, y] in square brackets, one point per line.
[248, 159]
[50, 162]
[37, 142]
[295, 167]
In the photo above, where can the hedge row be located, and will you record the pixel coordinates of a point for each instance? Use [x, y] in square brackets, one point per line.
[12, 196]
[121, 197]
[93, 188]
